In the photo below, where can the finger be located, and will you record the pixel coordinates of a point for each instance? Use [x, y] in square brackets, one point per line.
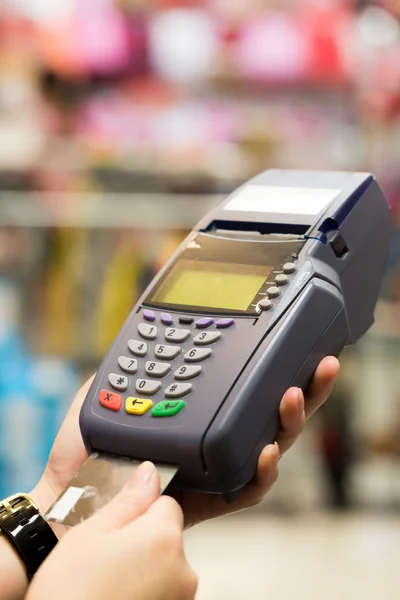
[68, 453]
[295, 409]
[321, 385]
[74, 410]
[292, 418]
[267, 470]
[136, 497]
[267, 474]
[201, 507]
[166, 510]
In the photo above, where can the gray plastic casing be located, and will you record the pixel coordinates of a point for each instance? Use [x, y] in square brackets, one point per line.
[234, 410]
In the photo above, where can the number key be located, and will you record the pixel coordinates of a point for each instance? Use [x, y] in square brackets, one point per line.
[156, 369]
[167, 352]
[138, 348]
[197, 355]
[177, 335]
[129, 365]
[207, 337]
[143, 386]
[148, 332]
[186, 372]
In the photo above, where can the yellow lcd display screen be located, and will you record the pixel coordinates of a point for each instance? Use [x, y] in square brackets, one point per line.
[212, 285]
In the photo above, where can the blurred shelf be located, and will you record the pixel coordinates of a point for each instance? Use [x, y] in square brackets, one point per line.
[243, 86]
[137, 210]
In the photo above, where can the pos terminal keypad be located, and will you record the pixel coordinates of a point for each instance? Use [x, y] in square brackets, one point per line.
[162, 386]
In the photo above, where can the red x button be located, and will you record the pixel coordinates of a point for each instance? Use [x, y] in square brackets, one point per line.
[110, 400]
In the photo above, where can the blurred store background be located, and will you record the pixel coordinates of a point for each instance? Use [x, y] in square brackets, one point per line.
[121, 123]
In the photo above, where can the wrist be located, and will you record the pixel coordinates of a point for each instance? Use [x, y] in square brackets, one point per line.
[43, 495]
[13, 577]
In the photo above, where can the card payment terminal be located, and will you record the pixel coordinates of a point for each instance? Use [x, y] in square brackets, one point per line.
[283, 273]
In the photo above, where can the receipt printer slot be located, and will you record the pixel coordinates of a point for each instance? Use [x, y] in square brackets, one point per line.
[262, 228]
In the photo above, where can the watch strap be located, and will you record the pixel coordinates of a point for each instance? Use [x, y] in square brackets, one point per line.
[25, 528]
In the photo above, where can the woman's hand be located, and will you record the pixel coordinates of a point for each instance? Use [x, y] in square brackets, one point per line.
[132, 548]
[69, 454]
[294, 411]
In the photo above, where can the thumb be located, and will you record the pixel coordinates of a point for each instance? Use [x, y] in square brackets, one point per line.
[141, 491]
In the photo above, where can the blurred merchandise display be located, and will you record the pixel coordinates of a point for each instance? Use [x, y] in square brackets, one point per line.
[34, 392]
[75, 286]
[64, 296]
[195, 95]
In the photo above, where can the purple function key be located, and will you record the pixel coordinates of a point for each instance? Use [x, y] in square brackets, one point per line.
[225, 323]
[149, 315]
[166, 319]
[204, 323]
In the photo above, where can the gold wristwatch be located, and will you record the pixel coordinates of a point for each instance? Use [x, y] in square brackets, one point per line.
[26, 530]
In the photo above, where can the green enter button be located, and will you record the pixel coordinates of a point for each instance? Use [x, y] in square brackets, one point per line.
[168, 408]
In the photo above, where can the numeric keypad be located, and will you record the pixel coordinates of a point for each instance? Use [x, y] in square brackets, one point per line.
[158, 363]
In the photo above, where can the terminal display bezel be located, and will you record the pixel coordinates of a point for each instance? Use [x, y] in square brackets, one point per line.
[270, 252]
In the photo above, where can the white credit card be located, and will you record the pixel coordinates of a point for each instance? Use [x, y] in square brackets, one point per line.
[100, 479]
